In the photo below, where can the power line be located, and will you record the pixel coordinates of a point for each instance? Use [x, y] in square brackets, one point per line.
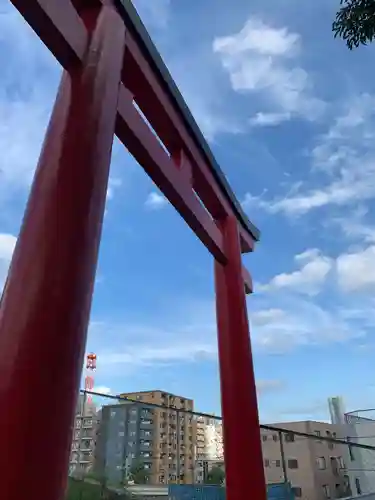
[328, 439]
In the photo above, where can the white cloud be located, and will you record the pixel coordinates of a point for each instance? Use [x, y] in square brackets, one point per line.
[155, 201]
[345, 155]
[299, 322]
[7, 244]
[350, 271]
[356, 271]
[147, 355]
[114, 183]
[309, 279]
[258, 37]
[269, 119]
[354, 226]
[102, 389]
[25, 102]
[260, 58]
[186, 332]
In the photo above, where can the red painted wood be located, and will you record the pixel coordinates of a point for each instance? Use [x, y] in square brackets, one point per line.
[242, 445]
[137, 136]
[45, 306]
[152, 99]
[46, 303]
[58, 25]
[247, 279]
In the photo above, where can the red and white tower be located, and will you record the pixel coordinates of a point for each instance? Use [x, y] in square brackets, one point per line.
[89, 378]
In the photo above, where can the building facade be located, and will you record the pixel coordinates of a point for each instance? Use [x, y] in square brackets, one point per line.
[209, 446]
[361, 430]
[162, 439]
[336, 410]
[317, 469]
[86, 423]
[125, 437]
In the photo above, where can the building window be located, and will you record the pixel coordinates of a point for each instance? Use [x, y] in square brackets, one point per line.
[317, 434]
[275, 437]
[338, 490]
[326, 491]
[335, 465]
[297, 491]
[277, 463]
[264, 437]
[358, 486]
[289, 438]
[293, 463]
[330, 444]
[266, 463]
[351, 453]
[321, 463]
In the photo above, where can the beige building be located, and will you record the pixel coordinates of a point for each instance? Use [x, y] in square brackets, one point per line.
[209, 446]
[84, 437]
[173, 437]
[315, 468]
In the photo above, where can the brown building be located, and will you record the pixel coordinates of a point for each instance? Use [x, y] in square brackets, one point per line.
[172, 437]
[315, 468]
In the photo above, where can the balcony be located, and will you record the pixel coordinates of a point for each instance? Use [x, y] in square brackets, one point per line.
[146, 422]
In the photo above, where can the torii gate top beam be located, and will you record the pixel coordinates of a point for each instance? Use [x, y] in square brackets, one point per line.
[114, 83]
[135, 25]
[60, 27]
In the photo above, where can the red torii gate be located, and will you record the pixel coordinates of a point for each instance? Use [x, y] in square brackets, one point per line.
[109, 64]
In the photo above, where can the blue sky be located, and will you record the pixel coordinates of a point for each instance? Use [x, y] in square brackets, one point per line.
[289, 114]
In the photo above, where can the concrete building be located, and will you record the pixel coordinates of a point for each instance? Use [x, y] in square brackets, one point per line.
[336, 410]
[360, 429]
[84, 437]
[161, 438]
[209, 446]
[125, 436]
[316, 469]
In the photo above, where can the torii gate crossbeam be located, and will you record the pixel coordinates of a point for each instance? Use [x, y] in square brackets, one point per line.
[112, 71]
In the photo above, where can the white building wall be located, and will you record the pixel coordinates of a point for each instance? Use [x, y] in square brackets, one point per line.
[361, 465]
[336, 410]
[213, 433]
[212, 449]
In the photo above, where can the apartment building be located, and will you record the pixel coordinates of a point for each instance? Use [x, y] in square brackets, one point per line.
[84, 437]
[316, 469]
[125, 435]
[209, 446]
[172, 438]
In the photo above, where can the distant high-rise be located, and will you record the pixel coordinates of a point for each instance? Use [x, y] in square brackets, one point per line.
[160, 437]
[336, 410]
